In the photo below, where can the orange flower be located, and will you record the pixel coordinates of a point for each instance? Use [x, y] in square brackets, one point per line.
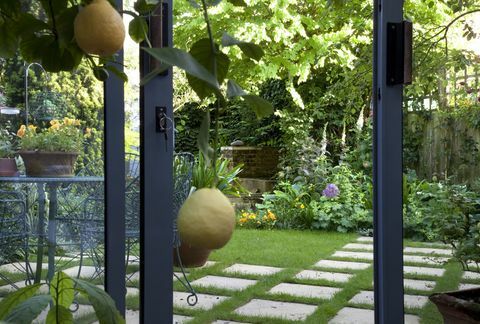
[21, 131]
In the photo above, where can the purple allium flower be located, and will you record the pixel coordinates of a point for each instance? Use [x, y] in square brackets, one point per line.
[331, 191]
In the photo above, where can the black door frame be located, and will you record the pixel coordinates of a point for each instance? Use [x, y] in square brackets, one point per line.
[387, 174]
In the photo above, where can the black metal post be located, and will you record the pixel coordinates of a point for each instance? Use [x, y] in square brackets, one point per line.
[387, 174]
[115, 186]
[156, 151]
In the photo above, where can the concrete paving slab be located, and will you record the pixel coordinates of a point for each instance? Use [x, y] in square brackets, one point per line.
[276, 309]
[205, 302]
[365, 239]
[179, 319]
[349, 315]
[83, 310]
[424, 259]
[471, 275]
[133, 317]
[348, 265]
[354, 255]
[426, 285]
[136, 276]
[463, 286]
[20, 284]
[131, 291]
[323, 275]
[429, 251]
[228, 283]
[19, 267]
[411, 301]
[436, 272]
[86, 272]
[358, 246]
[250, 269]
[308, 291]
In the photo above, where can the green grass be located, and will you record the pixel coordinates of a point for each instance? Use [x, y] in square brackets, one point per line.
[293, 251]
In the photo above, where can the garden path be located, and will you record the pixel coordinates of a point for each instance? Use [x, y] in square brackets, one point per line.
[345, 275]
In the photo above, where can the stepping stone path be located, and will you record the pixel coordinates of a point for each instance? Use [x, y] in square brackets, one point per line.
[205, 302]
[332, 274]
[276, 309]
[249, 269]
[321, 275]
[342, 265]
[367, 298]
[354, 255]
[305, 291]
[463, 286]
[350, 315]
[18, 267]
[224, 282]
[86, 272]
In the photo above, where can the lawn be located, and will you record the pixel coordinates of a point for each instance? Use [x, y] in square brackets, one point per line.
[294, 251]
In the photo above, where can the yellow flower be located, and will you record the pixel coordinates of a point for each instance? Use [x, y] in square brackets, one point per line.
[252, 216]
[302, 206]
[21, 131]
[88, 132]
[54, 122]
[32, 128]
[54, 127]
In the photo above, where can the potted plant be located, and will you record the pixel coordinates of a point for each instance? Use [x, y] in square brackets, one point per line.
[51, 152]
[461, 229]
[26, 304]
[8, 165]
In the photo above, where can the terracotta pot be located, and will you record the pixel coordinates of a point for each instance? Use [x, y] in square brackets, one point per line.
[191, 257]
[8, 167]
[49, 164]
[459, 307]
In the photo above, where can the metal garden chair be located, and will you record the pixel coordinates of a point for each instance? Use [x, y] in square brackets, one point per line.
[14, 235]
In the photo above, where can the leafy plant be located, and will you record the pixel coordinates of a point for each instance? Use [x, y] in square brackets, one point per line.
[227, 177]
[26, 304]
[7, 146]
[61, 136]
[261, 219]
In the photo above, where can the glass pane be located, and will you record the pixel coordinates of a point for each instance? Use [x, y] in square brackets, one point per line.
[52, 203]
[441, 142]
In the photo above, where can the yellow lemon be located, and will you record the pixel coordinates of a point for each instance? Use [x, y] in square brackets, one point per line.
[206, 219]
[99, 29]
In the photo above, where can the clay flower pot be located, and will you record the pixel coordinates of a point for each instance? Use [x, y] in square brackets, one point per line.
[8, 167]
[459, 307]
[49, 164]
[191, 257]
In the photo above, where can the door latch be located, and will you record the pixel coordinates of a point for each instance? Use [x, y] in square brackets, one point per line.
[399, 53]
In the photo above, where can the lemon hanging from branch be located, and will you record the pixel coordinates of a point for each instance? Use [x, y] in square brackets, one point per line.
[99, 29]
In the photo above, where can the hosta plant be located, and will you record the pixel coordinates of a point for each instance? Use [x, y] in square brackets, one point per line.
[26, 304]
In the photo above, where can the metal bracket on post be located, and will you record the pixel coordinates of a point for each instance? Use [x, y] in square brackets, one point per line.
[399, 49]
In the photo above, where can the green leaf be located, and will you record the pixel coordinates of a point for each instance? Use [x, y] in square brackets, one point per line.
[234, 90]
[61, 289]
[260, 106]
[16, 298]
[27, 24]
[145, 6]
[103, 304]
[8, 39]
[29, 309]
[100, 73]
[115, 70]
[238, 3]
[204, 138]
[33, 47]
[64, 22]
[184, 61]
[251, 50]
[153, 74]
[138, 29]
[202, 52]
[59, 315]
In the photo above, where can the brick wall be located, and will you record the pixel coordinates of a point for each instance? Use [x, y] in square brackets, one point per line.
[258, 162]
